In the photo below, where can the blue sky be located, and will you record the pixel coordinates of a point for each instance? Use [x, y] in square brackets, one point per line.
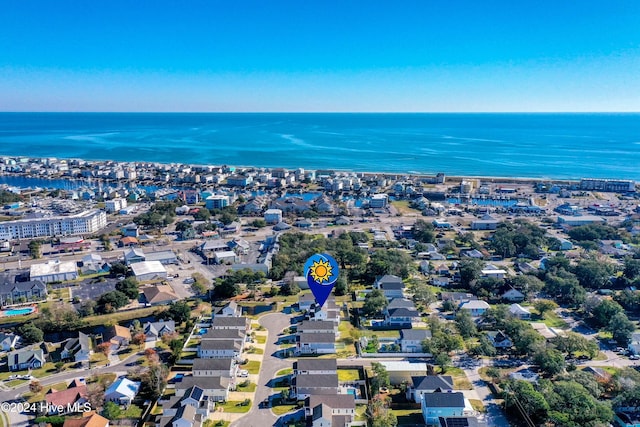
[301, 55]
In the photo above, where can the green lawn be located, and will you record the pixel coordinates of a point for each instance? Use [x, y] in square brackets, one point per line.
[234, 407]
[253, 367]
[255, 351]
[261, 339]
[282, 372]
[383, 334]
[345, 375]
[120, 316]
[249, 388]
[283, 409]
[133, 411]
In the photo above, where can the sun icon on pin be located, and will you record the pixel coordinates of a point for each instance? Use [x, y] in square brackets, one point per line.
[321, 271]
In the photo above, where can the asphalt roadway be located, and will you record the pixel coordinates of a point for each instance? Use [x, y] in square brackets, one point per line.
[257, 416]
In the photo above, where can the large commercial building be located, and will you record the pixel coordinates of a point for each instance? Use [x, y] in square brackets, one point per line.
[609, 185]
[83, 223]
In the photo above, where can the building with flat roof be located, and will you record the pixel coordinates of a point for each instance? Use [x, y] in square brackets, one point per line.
[147, 270]
[54, 271]
[608, 185]
[53, 226]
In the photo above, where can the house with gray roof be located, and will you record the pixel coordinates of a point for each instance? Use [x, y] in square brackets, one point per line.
[214, 367]
[215, 388]
[442, 404]
[411, 340]
[156, 330]
[316, 343]
[421, 385]
[26, 358]
[303, 386]
[77, 349]
[315, 367]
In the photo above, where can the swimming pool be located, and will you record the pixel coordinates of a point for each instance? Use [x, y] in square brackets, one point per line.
[351, 391]
[18, 311]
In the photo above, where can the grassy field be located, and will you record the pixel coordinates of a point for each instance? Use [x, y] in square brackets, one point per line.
[383, 334]
[117, 317]
[282, 372]
[477, 405]
[234, 407]
[261, 339]
[253, 367]
[255, 351]
[250, 388]
[283, 409]
[403, 207]
[345, 375]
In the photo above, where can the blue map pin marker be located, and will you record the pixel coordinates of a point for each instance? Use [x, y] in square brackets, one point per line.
[321, 271]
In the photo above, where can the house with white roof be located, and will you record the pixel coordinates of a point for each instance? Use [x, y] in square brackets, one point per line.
[148, 270]
[54, 271]
[513, 295]
[519, 311]
[122, 391]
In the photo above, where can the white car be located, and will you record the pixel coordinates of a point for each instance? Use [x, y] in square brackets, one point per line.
[243, 373]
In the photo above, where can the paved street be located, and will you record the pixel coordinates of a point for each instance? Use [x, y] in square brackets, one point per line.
[260, 417]
[16, 419]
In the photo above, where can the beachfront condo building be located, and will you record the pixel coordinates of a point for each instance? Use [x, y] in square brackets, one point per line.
[54, 226]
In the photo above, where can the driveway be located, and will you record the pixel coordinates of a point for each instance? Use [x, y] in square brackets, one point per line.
[494, 415]
[260, 417]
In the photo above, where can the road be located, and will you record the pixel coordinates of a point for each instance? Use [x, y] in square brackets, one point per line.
[260, 417]
[21, 419]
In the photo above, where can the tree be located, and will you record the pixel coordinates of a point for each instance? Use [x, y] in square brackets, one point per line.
[549, 360]
[484, 347]
[470, 269]
[621, 328]
[341, 286]
[34, 248]
[138, 339]
[226, 289]
[592, 274]
[154, 380]
[378, 413]
[572, 405]
[544, 305]
[118, 269]
[423, 294]
[183, 226]
[104, 348]
[423, 231]
[631, 268]
[380, 377]
[443, 361]
[527, 284]
[466, 325]
[129, 287]
[603, 311]
[374, 303]
[203, 214]
[111, 301]
[290, 288]
[179, 312]
[572, 343]
[31, 334]
[35, 387]
[95, 395]
[493, 373]
[259, 223]
[532, 401]
[176, 348]
[111, 411]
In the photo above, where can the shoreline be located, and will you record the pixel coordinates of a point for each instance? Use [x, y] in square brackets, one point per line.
[493, 179]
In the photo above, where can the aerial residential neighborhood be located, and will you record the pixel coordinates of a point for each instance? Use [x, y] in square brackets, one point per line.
[181, 300]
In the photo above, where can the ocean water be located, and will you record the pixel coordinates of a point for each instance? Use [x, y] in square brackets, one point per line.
[505, 145]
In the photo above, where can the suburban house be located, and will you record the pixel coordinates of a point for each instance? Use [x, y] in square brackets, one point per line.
[316, 343]
[457, 297]
[89, 419]
[155, 330]
[215, 388]
[241, 323]
[438, 404]
[428, 384]
[8, 341]
[329, 407]
[26, 358]
[77, 349]
[499, 339]
[468, 421]
[159, 295]
[231, 309]
[519, 311]
[411, 340]
[184, 416]
[401, 317]
[305, 301]
[513, 295]
[303, 386]
[402, 370]
[392, 286]
[318, 326]
[315, 367]
[13, 292]
[133, 256]
[214, 368]
[122, 391]
[56, 399]
[219, 349]
[475, 308]
[174, 411]
[118, 336]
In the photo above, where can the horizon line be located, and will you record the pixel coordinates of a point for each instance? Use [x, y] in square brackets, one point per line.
[319, 112]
